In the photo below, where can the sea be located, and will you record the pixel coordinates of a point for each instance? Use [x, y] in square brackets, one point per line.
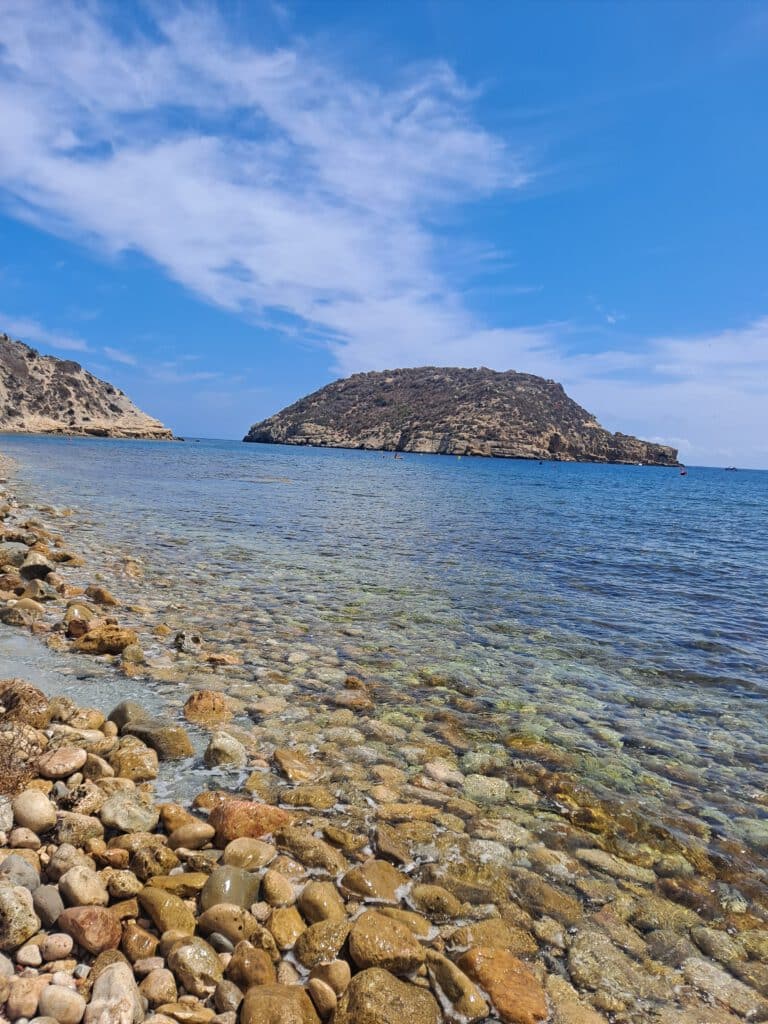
[615, 616]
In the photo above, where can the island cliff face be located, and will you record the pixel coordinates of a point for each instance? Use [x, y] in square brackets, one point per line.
[44, 395]
[450, 411]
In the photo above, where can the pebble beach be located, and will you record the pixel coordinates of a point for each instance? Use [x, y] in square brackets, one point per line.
[240, 848]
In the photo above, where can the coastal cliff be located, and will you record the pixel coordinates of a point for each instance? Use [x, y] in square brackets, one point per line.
[44, 395]
[452, 411]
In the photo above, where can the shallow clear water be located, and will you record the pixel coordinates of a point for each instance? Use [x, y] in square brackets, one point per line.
[618, 612]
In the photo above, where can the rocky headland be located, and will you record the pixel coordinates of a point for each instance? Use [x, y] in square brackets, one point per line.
[344, 863]
[451, 411]
[44, 395]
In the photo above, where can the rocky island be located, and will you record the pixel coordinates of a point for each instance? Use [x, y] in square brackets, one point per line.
[44, 395]
[452, 411]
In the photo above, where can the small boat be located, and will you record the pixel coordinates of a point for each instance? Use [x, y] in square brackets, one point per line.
[731, 469]
[683, 471]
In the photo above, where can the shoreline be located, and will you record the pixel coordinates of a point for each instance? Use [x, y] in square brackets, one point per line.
[579, 906]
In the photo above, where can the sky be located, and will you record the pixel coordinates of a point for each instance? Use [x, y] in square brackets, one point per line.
[221, 208]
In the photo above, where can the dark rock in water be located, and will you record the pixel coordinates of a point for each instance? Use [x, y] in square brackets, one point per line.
[451, 411]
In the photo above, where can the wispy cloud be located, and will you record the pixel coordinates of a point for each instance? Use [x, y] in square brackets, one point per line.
[33, 332]
[266, 181]
[118, 355]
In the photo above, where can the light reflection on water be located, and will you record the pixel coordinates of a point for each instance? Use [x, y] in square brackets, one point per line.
[618, 611]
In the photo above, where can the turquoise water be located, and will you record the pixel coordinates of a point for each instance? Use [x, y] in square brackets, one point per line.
[619, 613]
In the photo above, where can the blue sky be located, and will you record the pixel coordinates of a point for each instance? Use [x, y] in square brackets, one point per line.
[221, 208]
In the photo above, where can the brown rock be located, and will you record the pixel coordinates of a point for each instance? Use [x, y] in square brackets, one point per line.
[515, 993]
[94, 928]
[495, 933]
[229, 920]
[455, 988]
[234, 819]
[378, 997]
[100, 595]
[320, 901]
[376, 880]
[378, 941]
[278, 1004]
[250, 966]
[207, 707]
[286, 925]
[321, 942]
[106, 639]
[296, 766]
[168, 912]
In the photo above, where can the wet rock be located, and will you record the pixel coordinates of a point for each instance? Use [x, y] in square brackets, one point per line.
[378, 997]
[18, 920]
[137, 943]
[169, 739]
[724, 989]
[377, 941]
[250, 966]
[376, 880]
[167, 912]
[596, 964]
[455, 988]
[235, 819]
[717, 944]
[653, 912]
[227, 997]
[191, 836]
[286, 925]
[277, 890]
[321, 942]
[100, 595]
[323, 997]
[436, 902]
[206, 707]
[230, 885]
[115, 998]
[543, 898]
[93, 928]
[615, 866]
[320, 901]
[226, 751]
[35, 566]
[279, 1004]
[247, 853]
[493, 932]
[516, 995]
[128, 810]
[486, 789]
[296, 766]
[138, 763]
[196, 966]
[567, 1006]
[228, 920]
[105, 639]
[335, 973]
[150, 861]
[312, 852]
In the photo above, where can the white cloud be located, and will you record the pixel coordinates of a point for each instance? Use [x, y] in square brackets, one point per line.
[33, 332]
[117, 355]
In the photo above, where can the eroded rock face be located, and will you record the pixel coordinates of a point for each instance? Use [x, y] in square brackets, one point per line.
[451, 411]
[44, 395]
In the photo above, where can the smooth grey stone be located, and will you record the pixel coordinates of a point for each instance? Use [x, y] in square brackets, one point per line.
[48, 904]
[20, 872]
